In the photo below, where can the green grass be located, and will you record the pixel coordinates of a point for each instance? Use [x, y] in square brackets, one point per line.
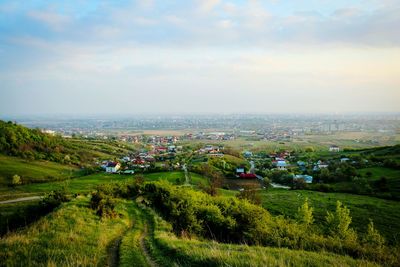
[87, 183]
[71, 236]
[378, 172]
[172, 251]
[384, 213]
[19, 214]
[392, 176]
[130, 250]
[34, 171]
[173, 176]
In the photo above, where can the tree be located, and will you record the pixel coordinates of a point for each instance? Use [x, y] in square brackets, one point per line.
[16, 180]
[215, 179]
[305, 213]
[338, 223]
[373, 237]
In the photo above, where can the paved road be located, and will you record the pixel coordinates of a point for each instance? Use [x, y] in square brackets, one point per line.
[20, 199]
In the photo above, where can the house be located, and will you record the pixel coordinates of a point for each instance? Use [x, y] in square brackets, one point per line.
[281, 165]
[334, 148]
[113, 167]
[126, 159]
[320, 165]
[239, 171]
[307, 178]
[247, 154]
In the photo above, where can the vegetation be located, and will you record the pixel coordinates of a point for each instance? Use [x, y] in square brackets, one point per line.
[384, 213]
[34, 171]
[73, 235]
[192, 213]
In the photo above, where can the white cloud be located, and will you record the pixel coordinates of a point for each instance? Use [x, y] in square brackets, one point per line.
[207, 5]
[53, 20]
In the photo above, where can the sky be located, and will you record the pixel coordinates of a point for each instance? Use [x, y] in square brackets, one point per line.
[199, 56]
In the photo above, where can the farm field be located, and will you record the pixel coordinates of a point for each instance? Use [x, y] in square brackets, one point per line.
[320, 143]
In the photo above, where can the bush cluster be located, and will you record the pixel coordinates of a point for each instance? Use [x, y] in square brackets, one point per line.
[193, 213]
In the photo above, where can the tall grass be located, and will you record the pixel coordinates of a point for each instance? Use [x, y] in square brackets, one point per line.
[172, 251]
[71, 236]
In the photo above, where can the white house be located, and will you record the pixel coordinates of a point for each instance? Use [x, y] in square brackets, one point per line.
[334, 148]
[281, 165]
[113, 167]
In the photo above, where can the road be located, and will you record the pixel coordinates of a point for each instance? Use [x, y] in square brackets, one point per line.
[21, 199]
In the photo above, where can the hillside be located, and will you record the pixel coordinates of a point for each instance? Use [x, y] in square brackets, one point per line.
[79, 237]
[32, 144]
[34, 171]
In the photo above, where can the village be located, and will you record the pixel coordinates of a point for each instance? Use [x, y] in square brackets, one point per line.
[281, 168]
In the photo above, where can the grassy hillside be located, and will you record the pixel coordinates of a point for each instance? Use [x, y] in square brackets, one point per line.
[384, 213]
[173, 251]
[71, 236]
[34, 171]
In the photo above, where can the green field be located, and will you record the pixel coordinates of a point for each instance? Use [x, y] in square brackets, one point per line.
[378, 172]
[34, 171]
[384, 213]
[87, 183]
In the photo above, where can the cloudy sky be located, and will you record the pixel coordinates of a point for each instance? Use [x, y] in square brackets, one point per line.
[195, 56]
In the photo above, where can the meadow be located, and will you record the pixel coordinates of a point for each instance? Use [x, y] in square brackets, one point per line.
[34, 171]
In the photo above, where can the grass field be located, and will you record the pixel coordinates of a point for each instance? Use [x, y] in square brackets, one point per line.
[34, 171]
[384, 213]
[378, 172]
[87, 183]
[71, 236]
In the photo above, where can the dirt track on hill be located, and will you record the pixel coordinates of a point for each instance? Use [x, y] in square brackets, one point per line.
[20, 199]
[145, 250]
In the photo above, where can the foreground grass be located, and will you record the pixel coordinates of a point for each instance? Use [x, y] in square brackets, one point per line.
[172, 251]
[131, 251]
[384, 213]
[71, 236]
[19, 214]
[34, 171]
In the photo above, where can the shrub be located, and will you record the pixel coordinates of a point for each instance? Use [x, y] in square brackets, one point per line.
[338, 223]
[103, 204]
[304, 214]
[373, 237]
[16, 180]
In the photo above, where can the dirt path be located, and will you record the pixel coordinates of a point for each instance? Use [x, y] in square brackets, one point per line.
[145, 250]
[21, 199]
[113, 253]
